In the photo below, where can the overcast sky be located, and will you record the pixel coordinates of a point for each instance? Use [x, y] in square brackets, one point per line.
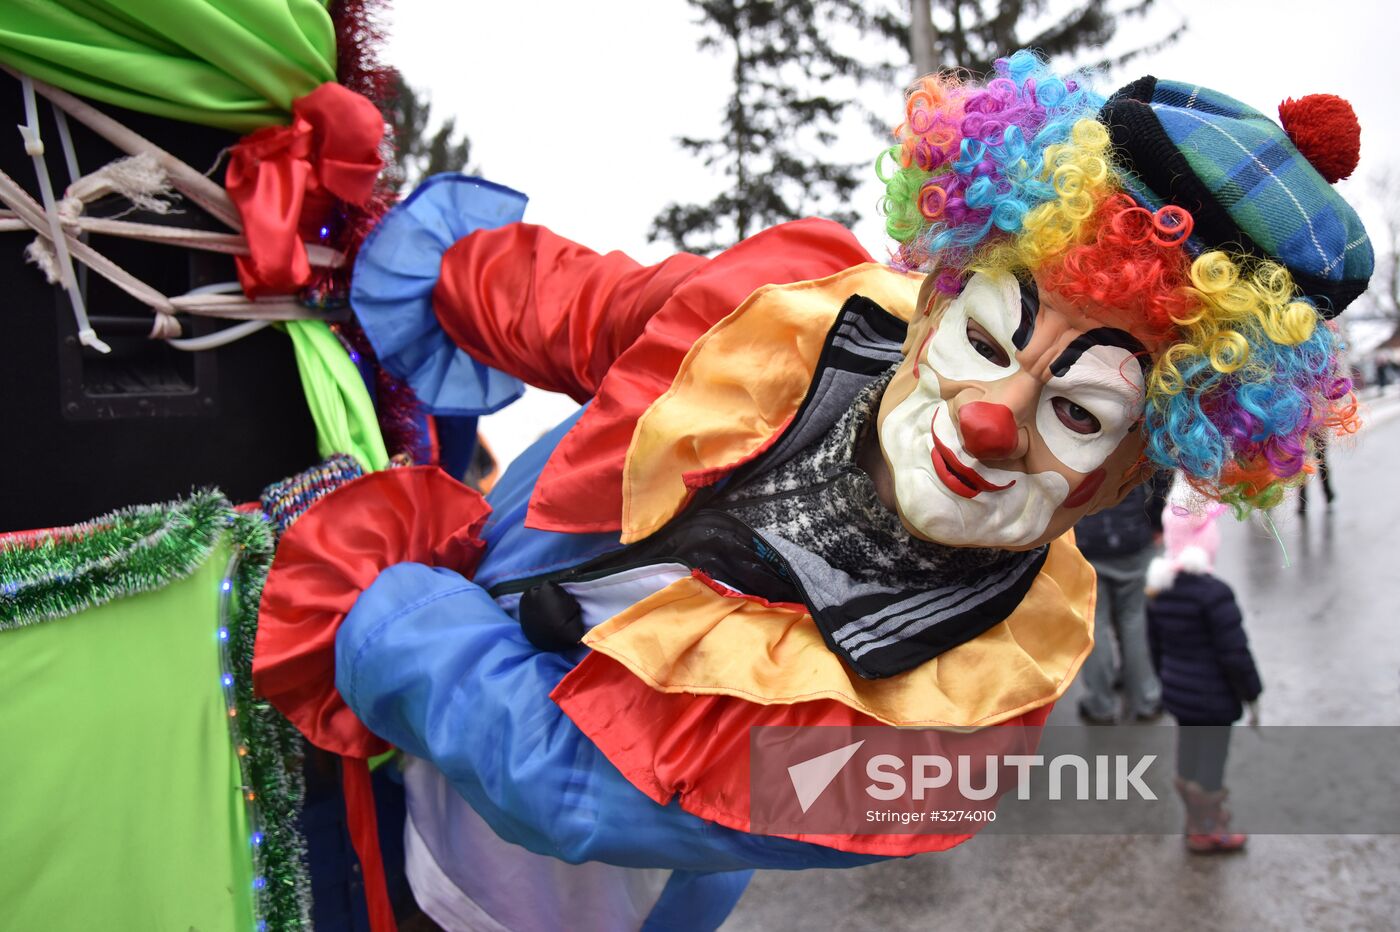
[578, 104]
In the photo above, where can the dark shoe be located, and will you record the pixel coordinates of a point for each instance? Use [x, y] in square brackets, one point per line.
[1151, 715]
[1092, 719]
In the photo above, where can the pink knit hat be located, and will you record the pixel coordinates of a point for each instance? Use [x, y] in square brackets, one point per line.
[1191, 539]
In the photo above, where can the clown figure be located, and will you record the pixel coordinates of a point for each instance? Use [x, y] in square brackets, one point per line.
[805, 487]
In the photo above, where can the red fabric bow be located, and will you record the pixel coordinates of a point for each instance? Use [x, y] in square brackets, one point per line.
[324, 561]
[285, 180]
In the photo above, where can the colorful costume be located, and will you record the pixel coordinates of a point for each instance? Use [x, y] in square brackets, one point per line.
[748, 523]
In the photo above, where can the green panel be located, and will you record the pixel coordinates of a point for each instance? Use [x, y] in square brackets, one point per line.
[122, 808]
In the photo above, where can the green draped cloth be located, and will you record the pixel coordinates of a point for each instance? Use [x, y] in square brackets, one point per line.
[235, 64]
[339, 401]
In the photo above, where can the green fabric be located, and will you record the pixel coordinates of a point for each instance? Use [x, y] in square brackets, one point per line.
[340, 404]
[235, 64]
[61, 577]
[122, 802]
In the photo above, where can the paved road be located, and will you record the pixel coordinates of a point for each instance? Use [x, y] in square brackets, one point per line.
[1326, 634]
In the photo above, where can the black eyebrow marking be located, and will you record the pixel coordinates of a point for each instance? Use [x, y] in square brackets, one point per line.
[1030, 307]
[1101, 336]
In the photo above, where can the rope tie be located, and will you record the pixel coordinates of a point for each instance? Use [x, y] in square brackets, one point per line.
[151, 179]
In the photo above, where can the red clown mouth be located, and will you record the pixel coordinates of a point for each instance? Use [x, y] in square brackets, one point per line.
[958, 477]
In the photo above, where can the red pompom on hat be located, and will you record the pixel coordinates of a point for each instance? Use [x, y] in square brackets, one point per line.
[1325, 130]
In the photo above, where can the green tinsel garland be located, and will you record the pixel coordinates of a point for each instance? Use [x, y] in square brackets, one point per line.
[140, 549]
[275, 747]
[53, 574]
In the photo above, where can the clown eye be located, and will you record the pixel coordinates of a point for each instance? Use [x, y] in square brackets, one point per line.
[1075, 417]
[985, 346]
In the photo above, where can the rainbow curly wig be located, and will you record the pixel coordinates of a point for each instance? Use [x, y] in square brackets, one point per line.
[1026, 173]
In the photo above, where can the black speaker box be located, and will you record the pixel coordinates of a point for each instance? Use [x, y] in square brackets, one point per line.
[86, 433]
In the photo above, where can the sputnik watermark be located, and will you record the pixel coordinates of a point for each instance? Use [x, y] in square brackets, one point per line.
[919, 776]
[951, 782]
[1116, 777]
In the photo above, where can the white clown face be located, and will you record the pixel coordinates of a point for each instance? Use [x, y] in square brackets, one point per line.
[1012, 416]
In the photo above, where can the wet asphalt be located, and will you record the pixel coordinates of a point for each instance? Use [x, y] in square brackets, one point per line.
[1321, 597]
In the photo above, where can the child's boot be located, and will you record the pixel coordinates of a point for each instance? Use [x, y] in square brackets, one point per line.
[1207, 820]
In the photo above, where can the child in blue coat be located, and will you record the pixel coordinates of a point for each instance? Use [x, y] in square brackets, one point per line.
[1201, 653]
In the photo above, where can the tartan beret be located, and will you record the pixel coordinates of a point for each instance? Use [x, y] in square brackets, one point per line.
[1244, 182]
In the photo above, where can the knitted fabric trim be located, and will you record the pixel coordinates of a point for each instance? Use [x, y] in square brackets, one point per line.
[822, 500]
[285, 501]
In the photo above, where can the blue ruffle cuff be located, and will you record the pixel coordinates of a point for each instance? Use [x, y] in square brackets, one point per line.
[392, 292]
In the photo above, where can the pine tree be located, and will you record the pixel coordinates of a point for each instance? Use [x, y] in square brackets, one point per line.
[783, 114]
[1381, 303]
[972, 34]
[792, 86]
[419, 153]
[1383, 297]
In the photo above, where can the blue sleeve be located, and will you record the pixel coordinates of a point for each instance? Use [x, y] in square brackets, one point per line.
[431, 663]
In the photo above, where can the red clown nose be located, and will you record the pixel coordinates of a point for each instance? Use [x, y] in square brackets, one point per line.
[989, 430]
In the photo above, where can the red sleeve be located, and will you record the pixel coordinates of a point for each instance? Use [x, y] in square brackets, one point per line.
[566, 319]
[546, 310]
[580, 488]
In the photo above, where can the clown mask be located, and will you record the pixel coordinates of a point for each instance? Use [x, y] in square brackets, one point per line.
[1012, 416]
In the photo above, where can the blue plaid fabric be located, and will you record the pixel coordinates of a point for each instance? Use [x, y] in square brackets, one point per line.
[1266, 187]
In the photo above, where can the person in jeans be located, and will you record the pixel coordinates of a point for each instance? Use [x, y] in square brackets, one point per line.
[1120, 542]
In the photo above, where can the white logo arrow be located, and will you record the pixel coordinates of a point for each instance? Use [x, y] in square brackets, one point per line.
[811, 777]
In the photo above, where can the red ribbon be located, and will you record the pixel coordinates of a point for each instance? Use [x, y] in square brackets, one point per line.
[285, 181]
[364, 836]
